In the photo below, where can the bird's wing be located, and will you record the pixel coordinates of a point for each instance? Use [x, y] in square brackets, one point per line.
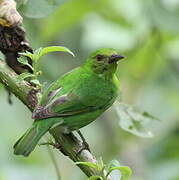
[61, 104]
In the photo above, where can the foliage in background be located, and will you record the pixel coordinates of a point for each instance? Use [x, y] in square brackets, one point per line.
[125, 172]
[35, 57]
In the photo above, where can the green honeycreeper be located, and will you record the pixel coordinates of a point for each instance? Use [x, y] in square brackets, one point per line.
[75, 99]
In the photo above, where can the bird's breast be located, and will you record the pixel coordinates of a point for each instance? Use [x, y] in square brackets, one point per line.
[98, 92]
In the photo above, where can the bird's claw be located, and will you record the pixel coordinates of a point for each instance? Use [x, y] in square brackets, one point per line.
[85, 145]
[46, 143]
[54, 145]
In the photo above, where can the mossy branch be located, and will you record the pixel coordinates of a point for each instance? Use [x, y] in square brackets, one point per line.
[70, 145]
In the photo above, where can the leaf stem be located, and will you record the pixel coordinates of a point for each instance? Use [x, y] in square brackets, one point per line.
[52, 156]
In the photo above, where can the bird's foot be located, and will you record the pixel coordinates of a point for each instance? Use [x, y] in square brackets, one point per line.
[54, 145]
[46, 143]
[85, 145]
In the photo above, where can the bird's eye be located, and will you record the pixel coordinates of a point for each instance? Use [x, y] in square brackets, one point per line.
[99, 57]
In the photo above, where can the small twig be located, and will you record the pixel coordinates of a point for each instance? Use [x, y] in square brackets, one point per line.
[52, 156]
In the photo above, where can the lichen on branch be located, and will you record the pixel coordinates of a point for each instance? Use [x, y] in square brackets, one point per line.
[9, 13]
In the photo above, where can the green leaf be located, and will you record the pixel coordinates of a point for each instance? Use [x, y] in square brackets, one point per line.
[100, 164]
[49, 49]
[43, 51]
[22, 60]
[27, 54]
[40, 8]
[125, 171]
[147, 115]
[89, 164]
[113, 163]
[25, 75]
[134, 121]
[37, 54]
[95, 178]
[36, 82]
[38, 51]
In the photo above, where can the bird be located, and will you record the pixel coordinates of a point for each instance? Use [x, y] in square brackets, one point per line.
[75, 99]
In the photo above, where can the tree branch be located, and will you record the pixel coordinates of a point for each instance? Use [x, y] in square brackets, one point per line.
[9, 13]
[69, 144]
[18, 87]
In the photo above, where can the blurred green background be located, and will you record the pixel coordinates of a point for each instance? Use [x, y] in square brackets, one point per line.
[147, 33]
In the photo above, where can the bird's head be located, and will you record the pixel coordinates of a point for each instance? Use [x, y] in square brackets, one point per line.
[104, 61]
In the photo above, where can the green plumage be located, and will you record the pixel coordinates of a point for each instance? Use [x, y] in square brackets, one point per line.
[75, 99]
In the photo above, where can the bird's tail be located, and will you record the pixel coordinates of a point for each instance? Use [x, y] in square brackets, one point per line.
[26, 144]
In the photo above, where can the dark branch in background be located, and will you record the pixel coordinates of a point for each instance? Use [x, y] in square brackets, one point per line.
[12, 41]
[12, 36]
